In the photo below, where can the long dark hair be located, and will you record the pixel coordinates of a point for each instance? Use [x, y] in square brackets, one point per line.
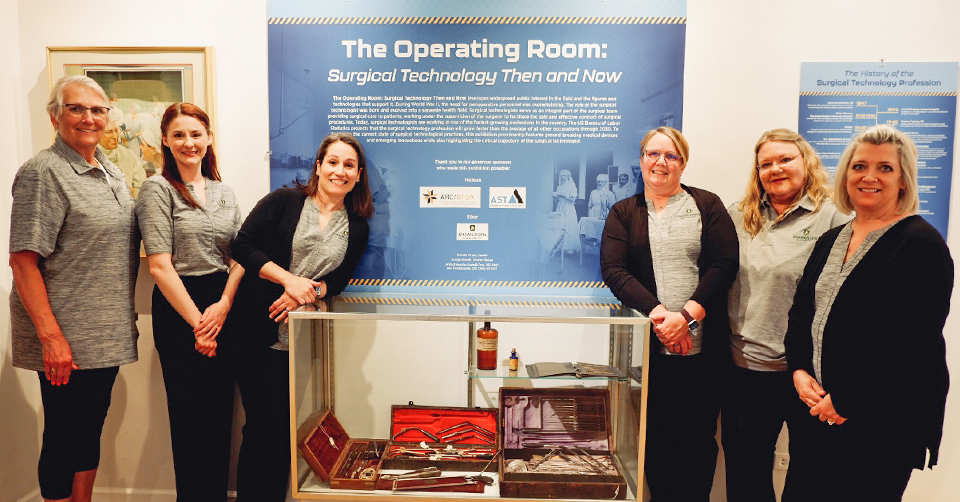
[208, 167]
[358, 201]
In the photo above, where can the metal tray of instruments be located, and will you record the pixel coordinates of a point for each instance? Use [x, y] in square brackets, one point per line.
[556, 444]
[450, 438]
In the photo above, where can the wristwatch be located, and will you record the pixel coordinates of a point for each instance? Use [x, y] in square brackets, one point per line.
[691, 322]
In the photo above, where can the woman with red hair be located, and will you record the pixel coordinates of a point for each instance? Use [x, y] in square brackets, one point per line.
[189, 219]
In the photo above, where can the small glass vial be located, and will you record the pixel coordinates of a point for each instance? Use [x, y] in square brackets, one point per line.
[487, 347]
[514, 360]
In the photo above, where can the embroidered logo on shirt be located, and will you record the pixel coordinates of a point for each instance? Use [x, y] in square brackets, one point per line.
[689, 214]
[345, 235]
[804, 236]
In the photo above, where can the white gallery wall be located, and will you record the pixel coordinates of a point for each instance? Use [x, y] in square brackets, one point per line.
[741, 78]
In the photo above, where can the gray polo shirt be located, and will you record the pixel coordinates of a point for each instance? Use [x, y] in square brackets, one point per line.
[198, 240]
[675, 248]
[315, 252]
[771, 264]
[84, 229]
[833, 275]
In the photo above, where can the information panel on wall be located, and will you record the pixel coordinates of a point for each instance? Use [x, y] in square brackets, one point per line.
[838, 100]
[497, 134]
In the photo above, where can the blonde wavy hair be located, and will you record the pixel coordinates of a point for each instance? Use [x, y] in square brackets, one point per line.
[816, 185]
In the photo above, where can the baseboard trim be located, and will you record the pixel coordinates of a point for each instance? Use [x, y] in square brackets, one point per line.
[137, 492]
[33, 496]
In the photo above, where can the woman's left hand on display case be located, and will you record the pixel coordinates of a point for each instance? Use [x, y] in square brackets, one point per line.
[281, 307]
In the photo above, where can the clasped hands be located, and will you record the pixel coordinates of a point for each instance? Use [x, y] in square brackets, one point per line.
[205, 331]
[671, 329]
[297, 291]
[813, 395]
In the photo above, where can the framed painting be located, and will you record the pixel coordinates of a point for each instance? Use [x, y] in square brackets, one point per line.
[141, 83]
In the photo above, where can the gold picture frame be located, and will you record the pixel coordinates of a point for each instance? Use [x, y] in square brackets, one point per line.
[195, 64]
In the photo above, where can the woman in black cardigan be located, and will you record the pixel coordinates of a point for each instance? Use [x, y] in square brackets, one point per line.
[671, 252]
[297, 245]
[865, 335]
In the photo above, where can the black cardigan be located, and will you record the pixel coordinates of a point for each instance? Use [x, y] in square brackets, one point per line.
[626, 262]
[267, 235]
[883, 358]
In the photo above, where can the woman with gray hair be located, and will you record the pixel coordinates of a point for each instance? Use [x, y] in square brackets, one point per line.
[865, 335]
[74, 254]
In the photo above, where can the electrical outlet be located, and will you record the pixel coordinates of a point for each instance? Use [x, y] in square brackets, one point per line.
[781, 461]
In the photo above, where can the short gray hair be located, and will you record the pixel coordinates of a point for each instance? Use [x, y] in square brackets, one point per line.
[55, 103]
[908, 200]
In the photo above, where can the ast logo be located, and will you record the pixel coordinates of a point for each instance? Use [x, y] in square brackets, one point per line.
[508, 197]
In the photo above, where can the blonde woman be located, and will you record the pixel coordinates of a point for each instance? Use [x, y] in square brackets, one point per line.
[786, 207]
[865, 334]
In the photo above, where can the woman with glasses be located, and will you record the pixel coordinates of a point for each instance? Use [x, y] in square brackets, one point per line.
[865, 334]
[298, 245]
[188, 219]
[74, 254]
[671, 253]
[785, 209]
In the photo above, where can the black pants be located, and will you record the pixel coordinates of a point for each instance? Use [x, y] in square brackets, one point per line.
[200, 392]
[754, 407]
[73, 416]
[682, 410]
[262, 375]
[864, 461]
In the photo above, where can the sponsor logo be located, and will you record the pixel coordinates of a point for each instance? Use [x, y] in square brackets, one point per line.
[508, 197]
[450, 197]
[472, 232]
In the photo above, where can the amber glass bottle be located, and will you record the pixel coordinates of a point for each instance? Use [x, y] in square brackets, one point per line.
[487, 347]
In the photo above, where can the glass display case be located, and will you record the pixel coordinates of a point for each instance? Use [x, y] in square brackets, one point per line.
[357, 355]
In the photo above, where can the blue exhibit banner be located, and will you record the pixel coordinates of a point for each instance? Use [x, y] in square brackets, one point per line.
[838, 100]
[496, 141]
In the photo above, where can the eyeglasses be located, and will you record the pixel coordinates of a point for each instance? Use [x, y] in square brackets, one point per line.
[768, 164]
[668, 157]
[80, 110]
